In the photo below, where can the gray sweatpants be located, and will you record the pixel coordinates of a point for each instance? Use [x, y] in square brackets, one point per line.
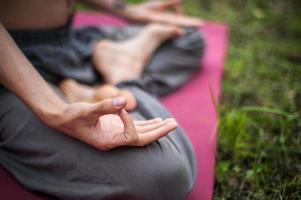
[47, 161]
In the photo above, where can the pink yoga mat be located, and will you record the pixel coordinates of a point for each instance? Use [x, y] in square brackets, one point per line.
[194, 108]
[192, 105]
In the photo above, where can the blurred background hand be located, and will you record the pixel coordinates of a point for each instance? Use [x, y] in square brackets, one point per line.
[169, 12]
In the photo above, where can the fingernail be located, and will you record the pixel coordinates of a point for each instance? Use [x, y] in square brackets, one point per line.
[119, 101]
[172, 121]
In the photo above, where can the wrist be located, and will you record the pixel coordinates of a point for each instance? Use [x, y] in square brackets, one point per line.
[119, 5]
[133, 13]
[53, 113]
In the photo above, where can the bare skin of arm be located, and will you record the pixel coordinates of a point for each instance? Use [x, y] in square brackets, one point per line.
[104, 125]
[148, 12]
[34, 14]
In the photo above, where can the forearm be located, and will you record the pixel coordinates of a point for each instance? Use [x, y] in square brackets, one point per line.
[19, 76]
[118, 7]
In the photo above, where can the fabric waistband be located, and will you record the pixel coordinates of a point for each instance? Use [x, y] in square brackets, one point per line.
[53, 36]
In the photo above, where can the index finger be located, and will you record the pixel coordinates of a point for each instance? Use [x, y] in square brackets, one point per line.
[130, 133]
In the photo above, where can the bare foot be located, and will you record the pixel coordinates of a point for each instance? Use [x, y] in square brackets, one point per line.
[76, 92]
[120, 61]
[109, 91]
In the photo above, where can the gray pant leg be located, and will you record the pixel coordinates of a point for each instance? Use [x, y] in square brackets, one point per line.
[47, 161]
[149, 107]
[172, 64]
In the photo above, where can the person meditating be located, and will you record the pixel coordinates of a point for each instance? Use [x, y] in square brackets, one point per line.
[64, 126]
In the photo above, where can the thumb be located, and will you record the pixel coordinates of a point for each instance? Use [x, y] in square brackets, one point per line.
[109, 106]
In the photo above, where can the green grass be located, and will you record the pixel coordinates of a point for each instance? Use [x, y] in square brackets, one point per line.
[259, 143]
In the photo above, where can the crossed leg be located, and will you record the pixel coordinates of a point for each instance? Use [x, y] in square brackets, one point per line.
[120, 61]
[124, 61]
[162, 170]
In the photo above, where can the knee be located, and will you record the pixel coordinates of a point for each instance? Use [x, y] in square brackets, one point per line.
[161, 179]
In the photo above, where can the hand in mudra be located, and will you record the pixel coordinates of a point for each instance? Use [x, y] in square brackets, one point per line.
[120, 130]
[159, 12]
[107, 125]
